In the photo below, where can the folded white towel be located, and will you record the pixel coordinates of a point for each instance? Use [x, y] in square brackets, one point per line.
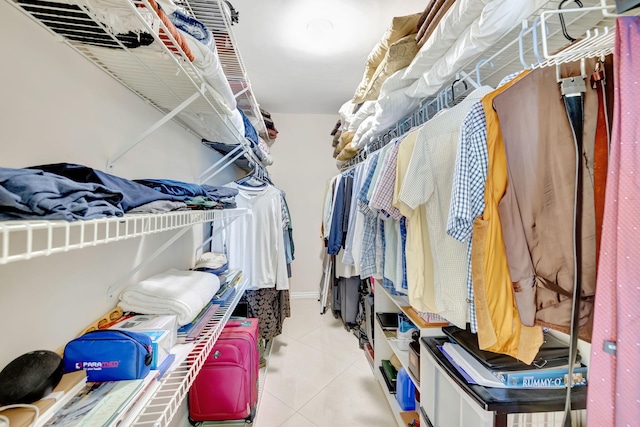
[183, 293]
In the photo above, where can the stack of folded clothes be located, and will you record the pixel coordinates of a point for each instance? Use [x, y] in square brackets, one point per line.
[71, 192]
[195, 196]
[268, 122]
[30, 193]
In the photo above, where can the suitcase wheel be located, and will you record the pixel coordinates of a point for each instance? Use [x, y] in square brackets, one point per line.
[249, 419]
[194, 423]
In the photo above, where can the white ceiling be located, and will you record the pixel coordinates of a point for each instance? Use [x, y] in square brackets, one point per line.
[308, 56]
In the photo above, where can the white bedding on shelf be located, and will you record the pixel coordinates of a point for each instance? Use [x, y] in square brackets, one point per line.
[456, 41]
[183, 293]
[367, 109]
[226, 127]
[116, 15]
[457, 19]
[208, 63]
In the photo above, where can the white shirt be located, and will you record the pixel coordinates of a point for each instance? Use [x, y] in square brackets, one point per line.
[256, 242]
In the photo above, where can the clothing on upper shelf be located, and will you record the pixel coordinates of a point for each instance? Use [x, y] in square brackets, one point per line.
[160, 206]
[134, 194]
[36, 194]
[139, 194]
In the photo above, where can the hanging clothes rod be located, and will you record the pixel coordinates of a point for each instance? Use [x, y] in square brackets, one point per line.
[446, 98]
[510, 55]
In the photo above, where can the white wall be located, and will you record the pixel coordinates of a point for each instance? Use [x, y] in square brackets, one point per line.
[58, 107]
[302, 165]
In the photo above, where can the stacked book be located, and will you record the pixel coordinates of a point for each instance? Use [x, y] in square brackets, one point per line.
[191, 331]
[103, 404]
[549, 370]
[68, 387]
[390, 374]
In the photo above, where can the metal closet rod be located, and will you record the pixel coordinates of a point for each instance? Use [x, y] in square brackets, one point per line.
[428, 108]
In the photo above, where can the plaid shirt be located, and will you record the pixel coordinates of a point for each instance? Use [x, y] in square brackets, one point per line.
[467, 194]
[469, 181]
[368, 250]
[382, 197]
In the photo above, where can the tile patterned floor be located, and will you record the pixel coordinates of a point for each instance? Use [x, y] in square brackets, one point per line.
[318, 377]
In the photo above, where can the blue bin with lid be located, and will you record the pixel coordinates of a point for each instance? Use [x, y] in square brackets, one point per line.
[405, 391]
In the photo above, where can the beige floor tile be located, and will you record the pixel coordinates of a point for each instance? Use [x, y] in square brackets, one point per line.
[334, 339]
[297, 372]
[305, 318]
[298, 420]
[273, 412]
[316, 368]
[352, 399]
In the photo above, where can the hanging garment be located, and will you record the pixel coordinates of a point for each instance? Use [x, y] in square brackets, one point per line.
[327, 207]
[271, 307]
[418, 258]
[602, 84]
[368, 250]
[255, 242]
[614, 383]
[429, 181]
[537, 210]
[382, 197]
[390, 253]
[467, 193]
[353, 242]
[499, 327]
[401, 279]
[336, 235]
[352, 218]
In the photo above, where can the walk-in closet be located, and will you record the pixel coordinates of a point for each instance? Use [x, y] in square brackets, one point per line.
[319, 213]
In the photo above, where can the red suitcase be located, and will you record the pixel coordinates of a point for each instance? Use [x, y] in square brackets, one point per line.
[226, 387]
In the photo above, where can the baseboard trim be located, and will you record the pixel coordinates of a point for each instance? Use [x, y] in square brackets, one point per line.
[304, 295]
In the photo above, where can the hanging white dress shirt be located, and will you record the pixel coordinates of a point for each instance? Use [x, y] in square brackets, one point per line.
[255, 242]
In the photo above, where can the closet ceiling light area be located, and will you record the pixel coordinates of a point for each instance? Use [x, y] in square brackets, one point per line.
[307, 56]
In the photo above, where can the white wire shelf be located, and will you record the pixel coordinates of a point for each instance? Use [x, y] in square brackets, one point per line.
[505, 57]
[391, 398]
[212, 13]
[167, 398]
[160, 72]
[23, 240]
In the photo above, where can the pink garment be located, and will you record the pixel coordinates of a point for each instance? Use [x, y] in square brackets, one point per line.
[614, 380]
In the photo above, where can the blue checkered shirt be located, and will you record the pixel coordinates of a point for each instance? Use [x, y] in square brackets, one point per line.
[467, 195]
[368, 250]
